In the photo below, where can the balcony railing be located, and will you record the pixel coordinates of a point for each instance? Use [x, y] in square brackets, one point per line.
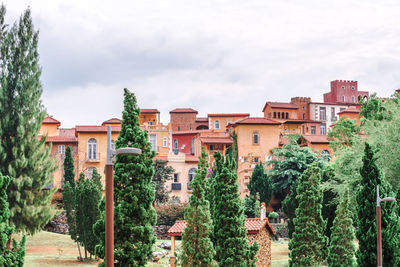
[93, 157]
[176, 186]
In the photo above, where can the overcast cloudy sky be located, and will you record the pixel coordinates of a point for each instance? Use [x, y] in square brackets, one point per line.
[214, 56]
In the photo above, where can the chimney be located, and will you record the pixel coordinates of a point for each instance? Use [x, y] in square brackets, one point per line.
[263, 211]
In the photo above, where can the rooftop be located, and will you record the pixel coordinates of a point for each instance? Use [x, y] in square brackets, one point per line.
[183, 110]
[216, 140]
[50, 120]
[149, 110]
[316, 139]
[95, 129]
[350, 110]
[257, 121]
[283, 105]
[229, 115]
[112, 121]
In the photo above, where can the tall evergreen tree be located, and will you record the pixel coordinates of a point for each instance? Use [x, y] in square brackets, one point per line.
[260, 183]
[69, 172]
[307, 246]
[23, 156]
[341, 248]
[197, 247]
[371, 176]
[230, 234]
[96, 178]
[69, 202]
[134, 193]
[15, 256]
[162, 174]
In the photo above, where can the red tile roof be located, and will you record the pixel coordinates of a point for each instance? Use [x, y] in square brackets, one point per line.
[95, 129]
[229, 115]
[280, 105]
[349, 110]
[191, 158]
[253, 225]
[112, 121]
[183, 110]
[189, 132]
[149, 110]
[66, 132]
[257, 121]
[61, 139]
[316, 139]
[50, 120]
[216, 140]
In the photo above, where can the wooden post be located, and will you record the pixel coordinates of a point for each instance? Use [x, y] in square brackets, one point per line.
[172, 257]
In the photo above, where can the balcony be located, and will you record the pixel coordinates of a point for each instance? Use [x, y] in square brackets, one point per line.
[176, 186]
[92, 157]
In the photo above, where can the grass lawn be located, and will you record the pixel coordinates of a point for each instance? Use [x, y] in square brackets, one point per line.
[49, 249]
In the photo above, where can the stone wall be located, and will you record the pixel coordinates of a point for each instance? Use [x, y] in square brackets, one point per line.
[263, 238]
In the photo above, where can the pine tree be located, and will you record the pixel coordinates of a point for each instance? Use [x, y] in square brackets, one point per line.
[134, 193]
[260, 183]
[197, 247]
[371, 176]
[15, 256]
[23, 156]
[69, 173]
[162, 174]
[307, 246]
[341, 248]
[257, 206]
[230, 234]
[96, 178]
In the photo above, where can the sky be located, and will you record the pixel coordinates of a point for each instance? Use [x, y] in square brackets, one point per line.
[214, 56]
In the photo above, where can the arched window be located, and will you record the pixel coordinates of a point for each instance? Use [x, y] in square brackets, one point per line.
[92, 149]
[279, 115]
[192, 173]
[325, 155]
[175, 144]
[216, 124]
[256, 138]
[353, 99]
[287, 115]
[343, 98]
[274, 115]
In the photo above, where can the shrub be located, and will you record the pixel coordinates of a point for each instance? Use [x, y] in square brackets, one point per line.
[168, 213]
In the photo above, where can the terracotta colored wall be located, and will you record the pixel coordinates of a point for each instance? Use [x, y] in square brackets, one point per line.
[223, 121]
[336, 93]
[184, 139]
[161, 131]
[269, 113]
[146, 117]
[49, 129]
[304, 107]
[183, 120]
[352, 116]
[58, 175]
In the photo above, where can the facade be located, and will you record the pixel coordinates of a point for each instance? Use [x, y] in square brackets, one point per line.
[352, 113]
[149, 116]
[343, 91]
[183, 119]
[219, 122]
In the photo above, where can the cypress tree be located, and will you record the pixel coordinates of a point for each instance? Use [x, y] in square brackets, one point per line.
[341, 248]
[96, 178]
[260, 183]
[14, 256]
[23, 156]
[134, 193]
[308, 242]
[230, 233]
[257, 206]
[69, 173]
[371, 176]
[197, 247]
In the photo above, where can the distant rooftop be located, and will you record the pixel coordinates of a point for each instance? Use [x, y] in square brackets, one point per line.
[183, 110]
[257, 121]
[229, 115]
[149, 110]
[50, 120]
[112, 121]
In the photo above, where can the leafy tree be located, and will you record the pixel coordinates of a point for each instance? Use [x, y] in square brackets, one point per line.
[260, 183]
[232, 151]
[307, 246]
[343, 133]
[8, 256]
[197, 247]
[230, 238]
[371, 177]
[249, 204]
[3, 26]
[23, 156]
[134, 193]
[373, 109]
[341, 248]
[69, 173]
[162, 174]
[329, 203]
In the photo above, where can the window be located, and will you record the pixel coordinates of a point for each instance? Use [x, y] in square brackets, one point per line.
[192, 173]
[228, 121]
[343, 98]
[279, 115]
[323, 128]
[274, 115]
[175, 144]
[302, 129]
[287, 115]
[176, 177]
[165, 142]
[353, 88]
[92, 149]
[190, 127]
[343, 87]
[61, 149]
[216, 124]
[153, 141]
[193, 145]
[211, 147]
[325, 155]
[341, 109]
[179, 128]
[150, 123]
[304, 107]
[256, 159]
[304, 116]
[312, 129]
[256, 138]
[333, 113]
[322, 113]
[90, 172]
[353, 99]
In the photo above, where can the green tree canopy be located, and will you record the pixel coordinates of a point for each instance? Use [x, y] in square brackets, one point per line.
[69, 172]
[162, 174]
[260, 183]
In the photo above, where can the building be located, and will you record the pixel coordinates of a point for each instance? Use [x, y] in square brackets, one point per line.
[219, 122]
[184, 119]
[345, 92]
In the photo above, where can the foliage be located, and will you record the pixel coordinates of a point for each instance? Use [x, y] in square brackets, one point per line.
[329, 196]
[230, 239]
[8, 256]
[371, 177]
[197, 247]
[257, 206]
[260, 183]
[168, 213]
[232, 151]
[23, 155]
[288, 164]
[162, 174]
[341, 248]
[307, 246]
[289, 206]
[69, 206]
[96, 178]
[373, 109]
[249, 204]
[342, 133]
[134, 193]
[69, 173]
[273, 215]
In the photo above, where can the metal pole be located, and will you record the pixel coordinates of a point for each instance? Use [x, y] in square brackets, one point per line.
[378, 227]
[109, 204]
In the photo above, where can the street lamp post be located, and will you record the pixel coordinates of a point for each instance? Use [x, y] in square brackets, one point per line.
[110, 194]
[379, 224]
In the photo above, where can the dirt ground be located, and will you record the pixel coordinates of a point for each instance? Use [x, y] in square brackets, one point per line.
[49, 249]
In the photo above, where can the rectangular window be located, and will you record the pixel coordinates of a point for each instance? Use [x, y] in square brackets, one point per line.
[211, 147]
[164, 143]
[333, 113]
[176, 177]
[256, 159]
[323, 128]
[153, 141]
[61, 149]
[228, 121]
[150, 123]
[322, 113]
[341, 109]
[353, 99]
[312, 129]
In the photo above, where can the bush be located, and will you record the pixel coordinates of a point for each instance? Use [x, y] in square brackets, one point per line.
[273, 215]
[168, 213]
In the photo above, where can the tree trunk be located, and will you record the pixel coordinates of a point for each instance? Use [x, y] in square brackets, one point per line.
[8, 246]
[85, 254]
[79, 249]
